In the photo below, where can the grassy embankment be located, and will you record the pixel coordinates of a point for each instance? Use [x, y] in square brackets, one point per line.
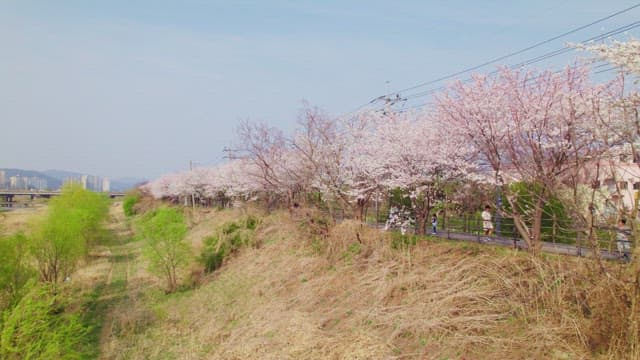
[306, 291]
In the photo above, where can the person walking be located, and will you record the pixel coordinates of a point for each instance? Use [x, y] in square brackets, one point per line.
[623, 240]
[434, 224]
[487, 225]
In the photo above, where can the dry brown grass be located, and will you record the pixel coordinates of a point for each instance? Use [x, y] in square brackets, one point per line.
[310, 292]
[19, 220]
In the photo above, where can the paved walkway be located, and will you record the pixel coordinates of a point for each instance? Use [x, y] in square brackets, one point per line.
[556, 248]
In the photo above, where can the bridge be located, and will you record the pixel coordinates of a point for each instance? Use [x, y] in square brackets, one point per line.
[8, 197]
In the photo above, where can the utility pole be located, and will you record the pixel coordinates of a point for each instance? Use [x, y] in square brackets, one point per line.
[193, 195]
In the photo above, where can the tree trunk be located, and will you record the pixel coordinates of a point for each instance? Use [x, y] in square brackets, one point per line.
[421, 223]
[422, 213]
[520, 224]
[361, 204]
[536, 227]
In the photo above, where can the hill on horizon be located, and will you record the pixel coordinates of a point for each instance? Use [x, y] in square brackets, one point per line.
[52, 182]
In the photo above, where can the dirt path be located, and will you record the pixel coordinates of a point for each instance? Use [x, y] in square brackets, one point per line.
[110, 287]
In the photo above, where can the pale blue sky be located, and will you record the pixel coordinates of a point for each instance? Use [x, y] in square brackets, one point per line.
[138, 88]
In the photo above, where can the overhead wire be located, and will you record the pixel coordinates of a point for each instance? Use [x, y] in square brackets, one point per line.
[500, 58]
[536, 59]
[540, 57]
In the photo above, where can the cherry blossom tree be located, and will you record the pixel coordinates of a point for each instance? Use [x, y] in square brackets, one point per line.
[421, 159]
[319, 144]
[623, 54]
[527, 126]
[410, 151]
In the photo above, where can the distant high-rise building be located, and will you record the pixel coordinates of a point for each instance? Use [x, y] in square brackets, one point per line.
[83, 181]
[37, 183]
[13, 182]
[3, 179]
[96, 183]
[106, 185]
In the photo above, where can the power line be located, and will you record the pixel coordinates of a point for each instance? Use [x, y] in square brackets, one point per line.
[607, 70]
[540, 57]
[528, 80]
[500, 58]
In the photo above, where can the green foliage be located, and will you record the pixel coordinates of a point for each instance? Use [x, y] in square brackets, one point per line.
[39, 328]
[399, 198]
[164, 230]
[556, 224]
[58, 245]
[251, 222]
[129, 202]
[15, 268]
[230, 227]
[73, 223]
[352, 250]
[233, 236]
[89, 208]
[213, 254]
[399, 241]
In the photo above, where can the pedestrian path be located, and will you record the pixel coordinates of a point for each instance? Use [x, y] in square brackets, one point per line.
[555, 248]
[549, 247]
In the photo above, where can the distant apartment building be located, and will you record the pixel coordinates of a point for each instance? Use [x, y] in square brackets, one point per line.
[18, 182]
[36, 183]
[91, 182]
[106, 185]
[14, 182]
[3, 179]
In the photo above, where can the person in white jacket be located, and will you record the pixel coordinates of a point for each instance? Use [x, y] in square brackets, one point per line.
[487, 225]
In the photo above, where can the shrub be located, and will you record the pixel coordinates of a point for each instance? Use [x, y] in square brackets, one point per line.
[400, 241]
[73, 222]
[15, 268]
[89, 208]
[128, 204]
[233, 236]
[39, 328]
[230, 227]
[251, 222]
[58, 244]
[164, 230]
[212, 254]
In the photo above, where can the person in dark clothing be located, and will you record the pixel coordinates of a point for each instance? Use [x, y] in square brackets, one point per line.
[434, 224]
[623, 240]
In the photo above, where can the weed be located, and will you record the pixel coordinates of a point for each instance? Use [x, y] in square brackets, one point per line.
[399, 241]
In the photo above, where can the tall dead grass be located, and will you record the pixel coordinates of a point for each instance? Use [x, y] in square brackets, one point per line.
[315, 290]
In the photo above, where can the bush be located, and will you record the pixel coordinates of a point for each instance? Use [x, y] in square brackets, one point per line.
[229, 228]
[251, 222]
[58, 245]
[233, 237]
[128, 204]
[399, 241]
[89, 208]
[164, 230]
[73, 222]
[38, 328]
[15, 268]
[212, 255]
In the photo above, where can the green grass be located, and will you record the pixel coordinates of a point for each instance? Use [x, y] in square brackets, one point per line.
[105, 296]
